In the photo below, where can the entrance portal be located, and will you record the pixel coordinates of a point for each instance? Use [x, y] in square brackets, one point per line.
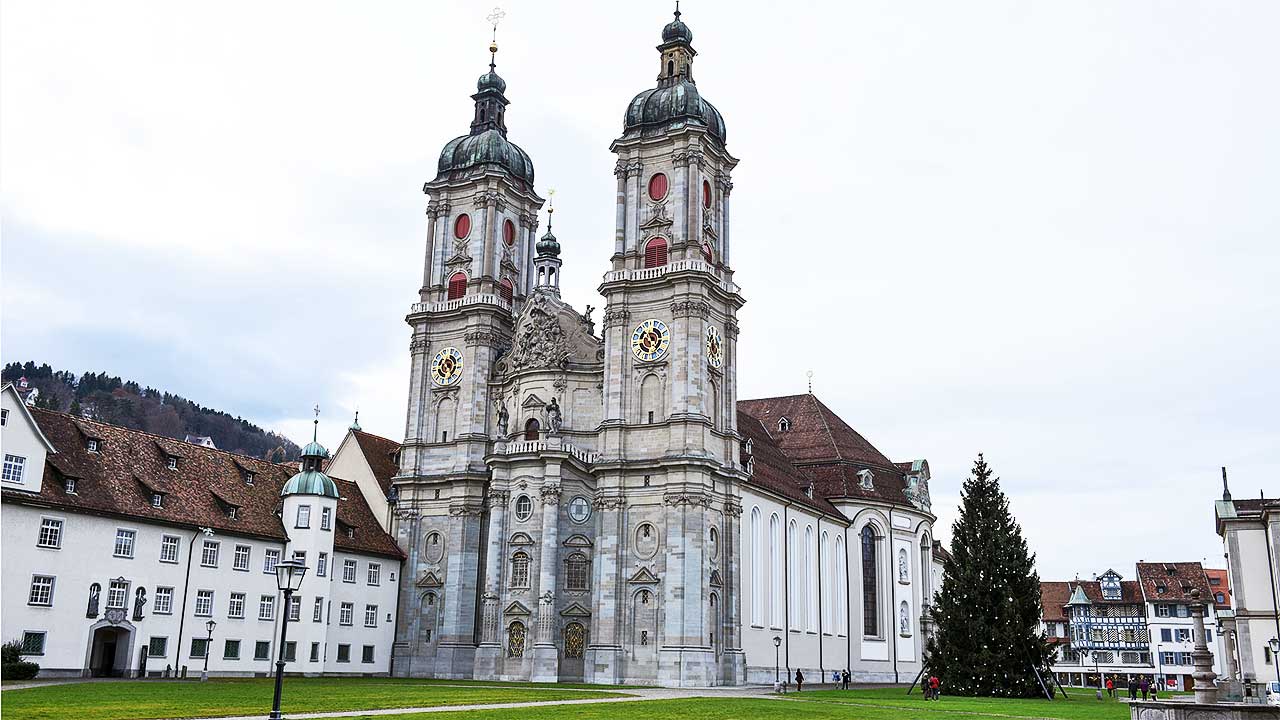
[109, 652]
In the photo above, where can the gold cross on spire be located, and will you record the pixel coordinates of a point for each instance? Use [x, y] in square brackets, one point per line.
[494, 17]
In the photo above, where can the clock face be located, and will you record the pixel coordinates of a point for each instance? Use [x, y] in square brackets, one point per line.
[650, 340]
[715, 347]
[446, 366]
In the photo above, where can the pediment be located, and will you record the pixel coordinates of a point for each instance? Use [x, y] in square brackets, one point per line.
[429, 579]
[549, 333]
[577, 541]
[657, 217]
[576, 610]
[521, 539]
[533, 401]
[644, 576]
[516, 608]
[716, 581]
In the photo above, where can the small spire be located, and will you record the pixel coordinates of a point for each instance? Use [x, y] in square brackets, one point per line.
[677, 9]
[315, 430]
[810, 376]
[494, 18]
[355, 424]
[551, 206]
[1226, 493]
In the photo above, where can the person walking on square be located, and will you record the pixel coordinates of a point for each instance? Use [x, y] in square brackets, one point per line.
[844, 678]
[1155, 690]
[1133, 688]
[1111, 687]
[933, 687]
[799, 680]
[835, 677]
[1145, 686]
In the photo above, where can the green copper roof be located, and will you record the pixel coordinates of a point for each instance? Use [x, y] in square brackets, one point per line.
[310, 482]
[1078, 597]
[314, 449]
[488, 147]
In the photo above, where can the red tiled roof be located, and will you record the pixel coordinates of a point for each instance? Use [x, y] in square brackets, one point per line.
[1053, 600]
[771, 470]
[1130, 592]
[115, 481]
[1223, 586]
[822, 446]
[1177, 579]
[381, 454]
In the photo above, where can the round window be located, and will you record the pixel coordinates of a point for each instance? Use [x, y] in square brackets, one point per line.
[462, 226]
[524, 508]
[658, 186]
[579, 509]
[509, 233]
[706, 194]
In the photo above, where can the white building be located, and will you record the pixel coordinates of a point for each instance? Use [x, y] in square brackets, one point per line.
[1167, 588]
[119, 546]
[1250, 532]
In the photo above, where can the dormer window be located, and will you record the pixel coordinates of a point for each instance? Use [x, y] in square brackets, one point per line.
[70, 485]
[4, 418]
[232, 512]
[351, 532]
[784, 425]
[92, 445]
[248, 477]
[1160, 589]
[866, 479]
[157, 499]
[747, 447]
[172, 462]
[751, 465]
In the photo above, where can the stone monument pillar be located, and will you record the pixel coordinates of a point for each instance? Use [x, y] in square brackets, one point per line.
[1206, 689]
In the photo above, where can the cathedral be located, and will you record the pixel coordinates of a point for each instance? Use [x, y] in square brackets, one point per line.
[596, 504]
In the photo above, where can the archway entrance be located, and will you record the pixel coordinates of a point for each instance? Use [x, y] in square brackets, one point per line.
[109, 651]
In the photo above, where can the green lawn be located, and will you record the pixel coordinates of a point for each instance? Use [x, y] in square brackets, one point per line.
[130, 700]
[1081, 706]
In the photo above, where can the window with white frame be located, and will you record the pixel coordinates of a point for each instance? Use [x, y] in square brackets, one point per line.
[92, 445]
[524, 508]
[14, 466]
[300, 556]
[124, 543]
[204, 603]
[371, 616]
[169, 548]
[70, 485]
[304, 517]
[41, 591]
[374, 576]
[157, 500]
[240, 561]
[270, 558]
[757, 569]
[33, 642]
[267, 607]
[317, 612]
[117, 593]
[326, 518]
[4, 417]
[172, 462]
[50, 533]
[235, 609]
[162, 601]
[295, 608]
[322, 564]
[1164, 610]
[209, 554]
[348, 571]
[346, 613]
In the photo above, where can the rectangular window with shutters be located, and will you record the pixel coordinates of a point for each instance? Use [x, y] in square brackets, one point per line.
[50, 533]
[1166, 635]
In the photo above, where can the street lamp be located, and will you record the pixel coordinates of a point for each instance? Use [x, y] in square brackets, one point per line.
[777, 643]
[288, 579]
[1274, 644]
[208, 646]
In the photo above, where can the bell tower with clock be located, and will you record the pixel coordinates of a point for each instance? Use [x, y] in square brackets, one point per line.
[669, 472]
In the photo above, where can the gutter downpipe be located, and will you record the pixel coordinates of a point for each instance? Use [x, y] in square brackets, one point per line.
[822, 667]
[186, 585]
[893, 601]
[786, 589]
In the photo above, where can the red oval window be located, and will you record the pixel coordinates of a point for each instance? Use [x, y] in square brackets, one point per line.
[462, 226]
[509, 233]
[706, 194]
[658, 186]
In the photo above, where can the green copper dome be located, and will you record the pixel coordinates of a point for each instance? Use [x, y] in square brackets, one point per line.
[314, 449]
[654, 110]
[310, 482]
[548, 246]
[488, 147]
[677, 31]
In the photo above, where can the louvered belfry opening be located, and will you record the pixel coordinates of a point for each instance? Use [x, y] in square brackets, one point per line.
[655, 253]
[457, 285]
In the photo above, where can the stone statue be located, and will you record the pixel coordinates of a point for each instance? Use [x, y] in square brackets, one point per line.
[586, 320]
[902, 566]
[95, 591]
[503, 418]
[139, 600]
[553, 416]
[904, 620]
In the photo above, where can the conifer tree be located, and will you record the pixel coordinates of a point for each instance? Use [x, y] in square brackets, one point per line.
[987, 638]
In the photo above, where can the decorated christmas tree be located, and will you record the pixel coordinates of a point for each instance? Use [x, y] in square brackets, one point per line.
[987, 613]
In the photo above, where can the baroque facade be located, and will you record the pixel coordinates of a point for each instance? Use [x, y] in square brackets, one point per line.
[596, 505]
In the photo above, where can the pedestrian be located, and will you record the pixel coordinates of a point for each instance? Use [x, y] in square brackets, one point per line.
[835, 677]
[799, 680]
[934, 686]
[1155, 690]
[1133, 688]
[1145, 686]
[1111, 688]
[845, 678]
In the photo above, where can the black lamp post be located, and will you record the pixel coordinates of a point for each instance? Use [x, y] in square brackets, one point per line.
[777, 644]
[1274, 644]
[288, 579]
[208, 647]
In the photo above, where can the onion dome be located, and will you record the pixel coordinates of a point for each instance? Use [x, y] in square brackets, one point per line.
[676, 100]
[487, 143]
[310, 480]
[548, 246]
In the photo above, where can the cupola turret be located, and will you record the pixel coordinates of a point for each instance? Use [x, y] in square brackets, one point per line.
[547, 263]
[311, 480]
[676, 98]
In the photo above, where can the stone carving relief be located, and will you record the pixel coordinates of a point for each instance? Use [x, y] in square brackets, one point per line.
[614, 318]
[549, 333]
[687, 308]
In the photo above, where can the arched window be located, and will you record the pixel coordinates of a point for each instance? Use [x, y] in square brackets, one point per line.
[775, 571]
[515, 639]
[506, 290]
[808, 593]
[575, 640]
[671, 68]
[784, 425]
[445, 414]
[842, 588]
[651, 399]
[531, 429]
[870, 591]
[457, 285]
[520, 569]
[655, 253]
[793, 576]
[575, 572]
[706, 253]
[824, 581]
[757, 569]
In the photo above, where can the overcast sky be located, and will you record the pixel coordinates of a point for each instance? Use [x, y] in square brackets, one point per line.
[1049, 232]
